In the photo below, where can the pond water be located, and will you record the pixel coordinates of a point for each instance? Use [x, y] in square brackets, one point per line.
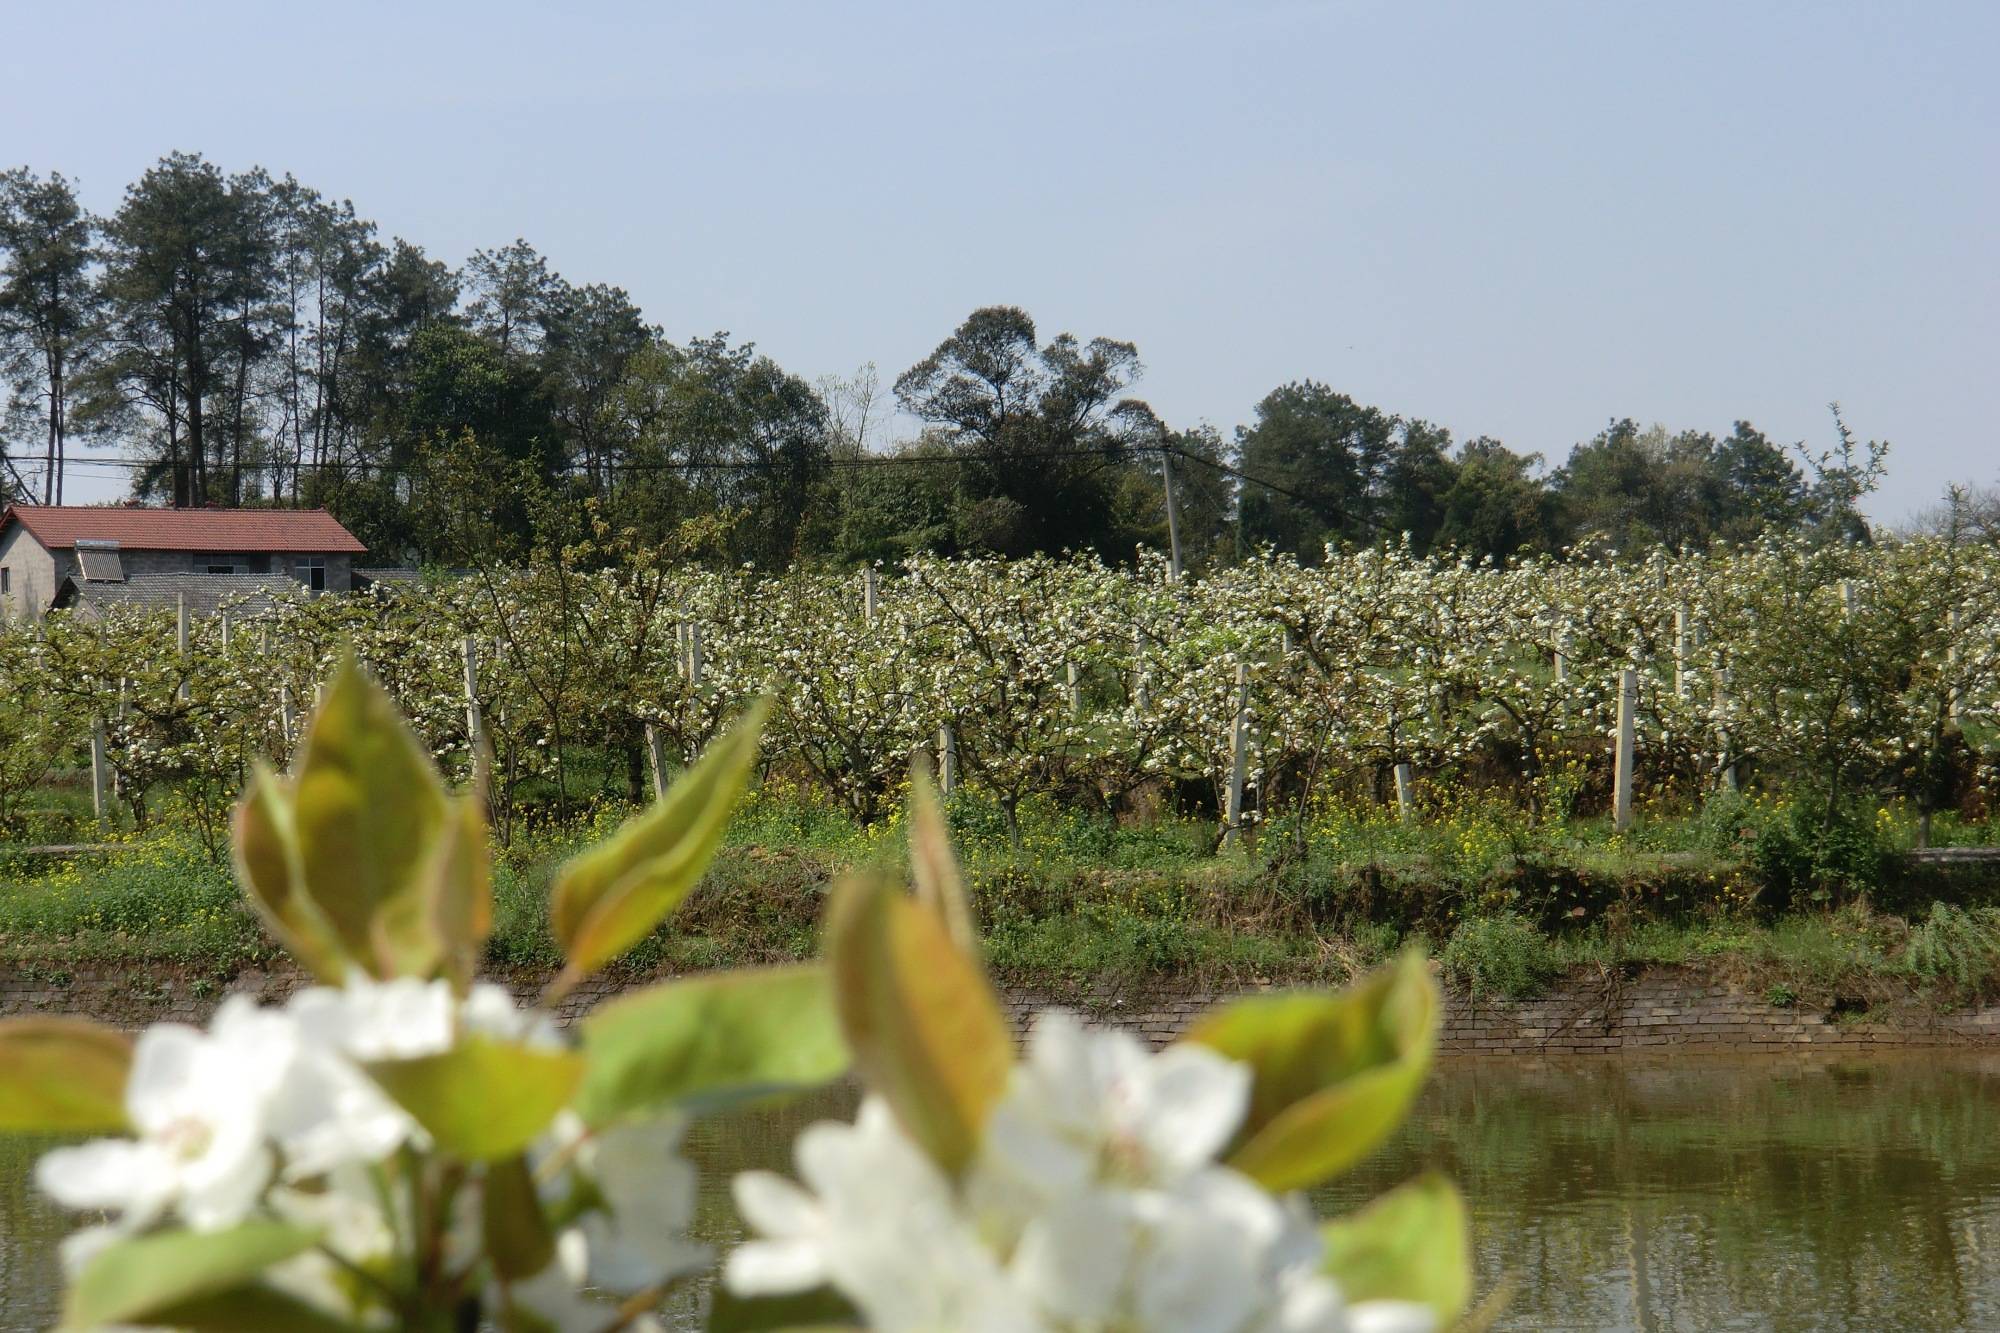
[1705, 1194]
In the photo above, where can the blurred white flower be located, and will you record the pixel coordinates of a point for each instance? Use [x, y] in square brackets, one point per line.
[1090, 1108]
[881, 1226]
[1094, 1204]
[198, 1103]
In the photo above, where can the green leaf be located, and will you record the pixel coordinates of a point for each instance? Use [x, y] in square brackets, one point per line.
[368, 809]
[934, 871]
[926, 1030]
[458, 889]
[1409, 1245]
[516, 1230]
[446, 915]
[820, 1309]
[140, 1281]
[483, 1099]
[611, 897]
[267, 866]
[1333, 1072]
[255, 1308]
[704, 1042]
[62, 1076]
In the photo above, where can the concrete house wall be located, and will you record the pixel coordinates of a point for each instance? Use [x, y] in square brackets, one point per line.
[33, 574]
[339, 566]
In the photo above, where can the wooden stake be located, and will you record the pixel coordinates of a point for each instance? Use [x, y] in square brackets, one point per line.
[870, 592]
[1406, 795]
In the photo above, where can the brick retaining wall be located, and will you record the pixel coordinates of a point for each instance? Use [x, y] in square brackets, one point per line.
[1661, 1008]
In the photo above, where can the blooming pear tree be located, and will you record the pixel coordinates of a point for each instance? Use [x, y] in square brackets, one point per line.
[1838, 668]
[1088, 1183]
[401, 1145]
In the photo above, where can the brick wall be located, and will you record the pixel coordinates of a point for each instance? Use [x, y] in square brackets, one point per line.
[1662, 1008]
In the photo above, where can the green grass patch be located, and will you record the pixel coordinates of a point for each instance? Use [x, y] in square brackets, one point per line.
[1077, 898]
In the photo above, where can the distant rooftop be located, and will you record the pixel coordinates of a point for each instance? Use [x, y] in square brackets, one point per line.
[206, 594]
[61, 527]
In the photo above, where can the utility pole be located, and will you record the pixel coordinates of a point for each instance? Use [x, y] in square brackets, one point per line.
[1173, 520]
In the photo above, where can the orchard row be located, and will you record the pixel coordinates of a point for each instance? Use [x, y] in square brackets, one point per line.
[1838, 669]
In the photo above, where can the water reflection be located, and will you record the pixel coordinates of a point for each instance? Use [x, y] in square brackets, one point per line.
[1706, 1194]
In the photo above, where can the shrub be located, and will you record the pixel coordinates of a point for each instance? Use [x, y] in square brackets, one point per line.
[1500, 955]
[1956, 948]
[1806, 853]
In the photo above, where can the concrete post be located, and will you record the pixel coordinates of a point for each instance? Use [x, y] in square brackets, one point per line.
[1621, 777]
[1239, 754]
[100, 773]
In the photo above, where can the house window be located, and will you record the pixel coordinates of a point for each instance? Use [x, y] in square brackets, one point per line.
[6, 580]
[311, 571]
[217, 568]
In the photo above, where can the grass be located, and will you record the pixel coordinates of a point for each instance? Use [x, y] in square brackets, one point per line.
[1083, 900]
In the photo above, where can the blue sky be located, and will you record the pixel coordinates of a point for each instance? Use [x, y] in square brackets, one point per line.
[1513, 219]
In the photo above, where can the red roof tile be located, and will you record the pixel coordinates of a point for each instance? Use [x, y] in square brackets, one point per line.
[218, 530]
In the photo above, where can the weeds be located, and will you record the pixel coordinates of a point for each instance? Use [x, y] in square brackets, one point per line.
[1073, 898]
[1500, 955]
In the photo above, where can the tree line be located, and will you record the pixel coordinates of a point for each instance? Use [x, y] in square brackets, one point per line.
[241, 339]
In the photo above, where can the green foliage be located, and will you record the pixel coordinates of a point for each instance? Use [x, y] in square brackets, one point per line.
[483, 1099]
[61, 1076]
[925, 1029]
[164, 1277]
[609, 898]
[706, 1042]
[1332, 1074]
[162, 899]
[1411, 1244]
[902, 989]
[1956, 948]
[1503, 954]
[1809, 853]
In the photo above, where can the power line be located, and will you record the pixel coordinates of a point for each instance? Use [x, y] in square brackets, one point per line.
[1324, 509]
[1108, 453]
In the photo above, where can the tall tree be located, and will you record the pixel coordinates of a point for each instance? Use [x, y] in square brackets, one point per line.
[188, 284]
[514, 296]
[711, 427]
[593, 334]
[1037, 427]
[48, 306]
[326, 260]
[1324, 456]
[1415, 478]
[1496, 506]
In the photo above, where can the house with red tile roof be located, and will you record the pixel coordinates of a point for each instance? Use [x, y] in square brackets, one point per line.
[45, 547]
